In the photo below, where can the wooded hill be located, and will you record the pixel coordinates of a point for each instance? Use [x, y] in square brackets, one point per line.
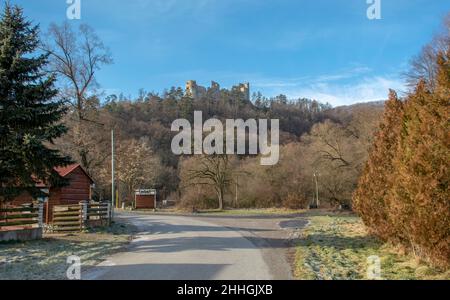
[144, 138]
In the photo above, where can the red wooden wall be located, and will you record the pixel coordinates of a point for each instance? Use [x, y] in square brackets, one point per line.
[78, 190]
[145, 202]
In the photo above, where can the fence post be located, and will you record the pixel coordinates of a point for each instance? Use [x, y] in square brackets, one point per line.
[109, 213]
[84, 213]
[41, 214]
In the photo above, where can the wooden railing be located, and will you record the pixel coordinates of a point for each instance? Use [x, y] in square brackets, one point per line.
[98, 212]
[21, 216]
[67, 218]
[78, 217]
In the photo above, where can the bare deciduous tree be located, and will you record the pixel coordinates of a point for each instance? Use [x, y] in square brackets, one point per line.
[214, 171]
[76, 56]
[424, 66]
[137, 166]
[338, 154]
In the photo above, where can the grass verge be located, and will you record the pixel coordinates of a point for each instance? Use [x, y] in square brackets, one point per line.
[254, 211]
[46, 258]
[337, 247]
[226, 212]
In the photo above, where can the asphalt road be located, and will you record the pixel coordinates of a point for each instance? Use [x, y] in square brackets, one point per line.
[183, 248]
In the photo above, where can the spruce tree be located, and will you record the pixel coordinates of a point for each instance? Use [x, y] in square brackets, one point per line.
[370, 199]
[29, 114]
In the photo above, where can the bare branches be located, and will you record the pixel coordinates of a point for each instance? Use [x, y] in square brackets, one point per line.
[212, 170]
[76, 56]
[424, 66]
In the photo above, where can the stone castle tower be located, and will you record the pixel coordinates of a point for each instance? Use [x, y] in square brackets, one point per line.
[196, 91]
[193, 90]
[244, 88]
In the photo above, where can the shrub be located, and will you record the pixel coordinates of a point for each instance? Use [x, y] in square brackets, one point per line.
[403, 195]
[370, 198]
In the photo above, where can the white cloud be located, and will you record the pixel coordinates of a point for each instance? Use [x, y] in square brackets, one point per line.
[346, 87]
[362, 90]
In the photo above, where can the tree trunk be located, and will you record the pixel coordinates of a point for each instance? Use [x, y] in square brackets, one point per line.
[220, 198]
[220, 194]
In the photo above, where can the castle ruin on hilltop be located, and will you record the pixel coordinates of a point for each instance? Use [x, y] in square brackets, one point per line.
[197, 91]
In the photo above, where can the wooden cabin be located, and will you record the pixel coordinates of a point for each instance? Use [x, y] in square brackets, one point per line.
[78, 189]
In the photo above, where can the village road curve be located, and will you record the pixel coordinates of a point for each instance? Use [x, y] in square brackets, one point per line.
[182, 248]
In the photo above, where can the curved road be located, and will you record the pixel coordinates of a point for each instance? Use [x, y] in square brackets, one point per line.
[182, 248]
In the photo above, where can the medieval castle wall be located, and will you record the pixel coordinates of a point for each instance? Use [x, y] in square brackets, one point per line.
[196, 91]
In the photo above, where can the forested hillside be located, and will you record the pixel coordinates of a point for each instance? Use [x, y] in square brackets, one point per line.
[317, 137]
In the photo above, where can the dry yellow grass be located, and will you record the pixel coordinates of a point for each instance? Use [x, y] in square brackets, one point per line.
[337, 247]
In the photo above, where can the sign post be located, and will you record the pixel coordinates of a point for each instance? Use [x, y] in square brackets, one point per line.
[113, 192]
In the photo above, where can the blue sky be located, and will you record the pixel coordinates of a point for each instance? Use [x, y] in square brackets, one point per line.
[323, 49]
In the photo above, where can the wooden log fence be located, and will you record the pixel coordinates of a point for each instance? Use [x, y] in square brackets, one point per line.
[67, 218]
[31, 216]
[78, 217]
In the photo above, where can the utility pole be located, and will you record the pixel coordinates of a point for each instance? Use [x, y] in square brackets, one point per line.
[236, 192]
[113, 189]
[317, 189]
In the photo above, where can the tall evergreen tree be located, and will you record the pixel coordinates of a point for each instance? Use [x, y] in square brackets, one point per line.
[420, 197]
[403, 195]
[370, 199]
[29, 115]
